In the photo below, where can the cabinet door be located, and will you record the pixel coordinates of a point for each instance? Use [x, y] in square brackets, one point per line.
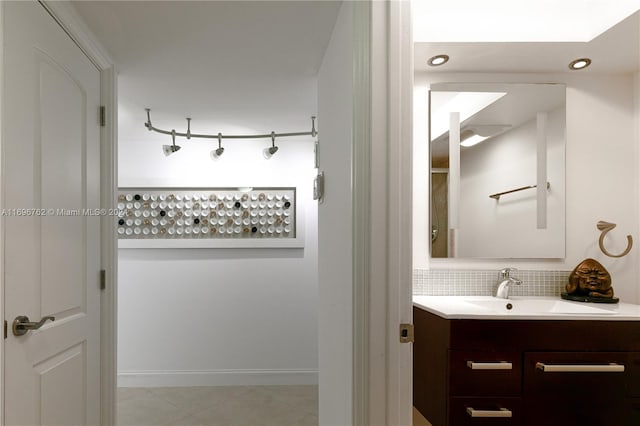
[478, 373]
[465, 411]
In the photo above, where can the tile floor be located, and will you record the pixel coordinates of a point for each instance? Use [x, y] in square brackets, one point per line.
[219, 406]
[418, 419]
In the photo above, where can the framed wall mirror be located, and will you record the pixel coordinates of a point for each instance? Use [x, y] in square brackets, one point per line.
[497, 170]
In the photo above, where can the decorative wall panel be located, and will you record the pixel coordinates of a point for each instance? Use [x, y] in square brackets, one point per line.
[207, 213]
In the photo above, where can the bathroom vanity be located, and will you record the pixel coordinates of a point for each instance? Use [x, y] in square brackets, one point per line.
[528, 361]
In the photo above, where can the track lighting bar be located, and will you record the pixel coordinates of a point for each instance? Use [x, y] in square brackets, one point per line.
[219, 136]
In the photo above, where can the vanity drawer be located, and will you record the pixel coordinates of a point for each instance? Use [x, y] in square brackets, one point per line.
[634, 376]
[633, 412]
[483, 373]
[608, 375]
[569, 410]
[466, 411]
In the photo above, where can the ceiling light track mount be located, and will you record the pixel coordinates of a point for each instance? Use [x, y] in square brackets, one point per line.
[220, 136]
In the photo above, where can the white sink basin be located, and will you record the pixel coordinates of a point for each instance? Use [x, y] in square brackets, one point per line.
[542, 306]
[487, 307]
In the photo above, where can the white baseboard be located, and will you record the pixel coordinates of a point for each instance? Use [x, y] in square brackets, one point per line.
[183, 378]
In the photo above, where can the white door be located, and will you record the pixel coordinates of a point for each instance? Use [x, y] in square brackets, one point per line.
[50, 175]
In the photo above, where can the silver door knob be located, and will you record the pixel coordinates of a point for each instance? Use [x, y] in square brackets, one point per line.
[21, 324]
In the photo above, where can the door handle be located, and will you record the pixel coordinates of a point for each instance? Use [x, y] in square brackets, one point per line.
[21, 324]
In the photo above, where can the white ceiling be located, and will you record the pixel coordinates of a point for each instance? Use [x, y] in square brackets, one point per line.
[615, 51]
[232, 66]
[516, 21]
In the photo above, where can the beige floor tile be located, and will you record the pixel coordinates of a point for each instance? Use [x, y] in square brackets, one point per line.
[145, 409]
[306, 420]
[125, 394]
[189, 421]
[219, 406]
[194, 399]
[418, 419]
[305, 395]
[257, 408]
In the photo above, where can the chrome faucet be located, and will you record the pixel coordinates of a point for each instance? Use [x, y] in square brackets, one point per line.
[504, 281]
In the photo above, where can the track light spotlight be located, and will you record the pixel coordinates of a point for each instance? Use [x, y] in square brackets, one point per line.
[215, 154]
[268, 152]
[272, 150]
[170, 149]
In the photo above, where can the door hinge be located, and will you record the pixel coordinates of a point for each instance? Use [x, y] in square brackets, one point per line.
[406, 333]
[5, 329]
[103, 279]
[103, 118]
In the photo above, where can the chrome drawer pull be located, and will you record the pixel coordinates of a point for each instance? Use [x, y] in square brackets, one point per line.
[501, 365]
[569, 368]
[502, 412]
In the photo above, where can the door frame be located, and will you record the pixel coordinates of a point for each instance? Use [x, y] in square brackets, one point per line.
[382, 212]
[72, 24]
[382, 376]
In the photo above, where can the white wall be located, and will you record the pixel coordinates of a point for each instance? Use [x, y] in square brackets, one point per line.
[335, 84]
[601, 174]
[508, 228]
[220, 316]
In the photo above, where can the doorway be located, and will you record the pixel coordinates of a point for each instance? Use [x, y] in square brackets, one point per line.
[391, 407]
[218, 317]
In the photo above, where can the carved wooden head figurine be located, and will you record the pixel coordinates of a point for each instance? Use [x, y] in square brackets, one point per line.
[591, 279]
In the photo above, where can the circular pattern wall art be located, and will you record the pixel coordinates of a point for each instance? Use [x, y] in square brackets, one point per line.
[229, 213]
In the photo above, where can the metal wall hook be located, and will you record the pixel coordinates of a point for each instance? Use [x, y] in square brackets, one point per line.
[313, 126]
[219, 140]
[173, 136]
[606, 227]
[273, 139]
[188, 128]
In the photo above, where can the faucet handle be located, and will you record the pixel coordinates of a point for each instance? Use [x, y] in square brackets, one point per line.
[504, 273]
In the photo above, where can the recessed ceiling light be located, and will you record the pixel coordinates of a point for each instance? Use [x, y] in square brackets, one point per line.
[438, 60]
[579, 64]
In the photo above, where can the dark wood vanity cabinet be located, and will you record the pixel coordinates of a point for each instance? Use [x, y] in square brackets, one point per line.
[523, 372]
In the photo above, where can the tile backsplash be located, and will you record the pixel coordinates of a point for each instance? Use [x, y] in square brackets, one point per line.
[429, 282]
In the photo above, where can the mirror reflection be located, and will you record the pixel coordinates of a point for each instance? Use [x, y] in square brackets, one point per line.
[491, 144]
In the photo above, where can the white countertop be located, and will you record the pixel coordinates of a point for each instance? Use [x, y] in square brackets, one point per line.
[525, 308]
